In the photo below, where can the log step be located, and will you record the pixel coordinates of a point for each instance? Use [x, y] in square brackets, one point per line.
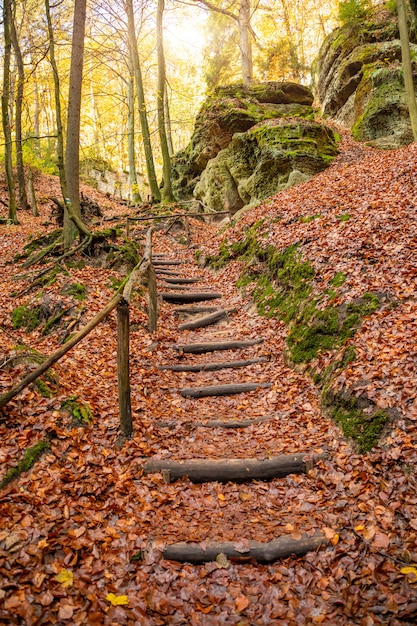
[193, 310]
[161, 272]
[201, 348]
[183, 281]
[207, 320]
[212, 367]
[268, 552]
[179, 298]
[225, 470]
[215, 423]
[177, 287]
[222, 390]
[167, 262]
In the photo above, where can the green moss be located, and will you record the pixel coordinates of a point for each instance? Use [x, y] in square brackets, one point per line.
[365, 429]
[38, 243]
[310, 218]
[338, 279]
[79, 410]
[345, 217]
[30, 456]
[49, 278]
[77, 291]
[26, 317]
[43, 388]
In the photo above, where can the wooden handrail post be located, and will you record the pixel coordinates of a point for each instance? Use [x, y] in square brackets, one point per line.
[123, 374]
[153, 301]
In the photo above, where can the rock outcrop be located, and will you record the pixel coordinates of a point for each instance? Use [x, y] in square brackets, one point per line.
[251, 142]
[359, 80]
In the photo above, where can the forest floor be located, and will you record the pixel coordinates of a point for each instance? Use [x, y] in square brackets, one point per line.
[71, 524]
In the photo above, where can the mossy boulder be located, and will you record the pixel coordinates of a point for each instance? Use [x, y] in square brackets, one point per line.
[272, 155]
[358, 80]
[230, 110]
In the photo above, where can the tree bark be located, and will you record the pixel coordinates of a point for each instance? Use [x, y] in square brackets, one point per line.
[69, 227]
[280, 548]
[32, 194]
[146, 136]
[225, 470]
[133, 176]
[245, 44]
[72, 152]
[5, 96]
[23, 200]
[222, 390]
[407, 68]
[167, 194]
[201, 348]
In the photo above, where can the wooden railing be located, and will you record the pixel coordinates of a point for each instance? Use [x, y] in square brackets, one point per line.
[143, 272]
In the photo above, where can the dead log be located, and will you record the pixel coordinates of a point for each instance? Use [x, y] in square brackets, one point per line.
[212, 367]
[207, 320]
[167, 262]
[225, 470]
[198, 296]
[268, 552]
[222, 390]
[201, 348]
[182, 281]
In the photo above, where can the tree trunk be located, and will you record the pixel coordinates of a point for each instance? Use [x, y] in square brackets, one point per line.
[23, 200]
[245, 44]
[407, 68]
[68, 228]
[167, 195]
[32, 194]
[72, 152]
[133, 177]
[7, 18]
[146, 136]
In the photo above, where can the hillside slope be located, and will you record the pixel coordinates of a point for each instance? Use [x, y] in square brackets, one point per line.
[332, 263]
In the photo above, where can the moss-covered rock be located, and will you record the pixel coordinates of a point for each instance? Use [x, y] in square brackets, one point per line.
[261, 162]
[230, 110]
[359, 80]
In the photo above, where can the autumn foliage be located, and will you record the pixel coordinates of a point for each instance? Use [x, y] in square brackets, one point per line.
[73, 521]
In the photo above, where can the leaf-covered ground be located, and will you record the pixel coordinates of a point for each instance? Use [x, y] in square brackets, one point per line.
[71, 523]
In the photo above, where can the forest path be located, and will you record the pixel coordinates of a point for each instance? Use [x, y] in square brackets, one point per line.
[272, 436]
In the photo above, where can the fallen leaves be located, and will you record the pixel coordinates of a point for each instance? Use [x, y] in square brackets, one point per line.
[87, 506]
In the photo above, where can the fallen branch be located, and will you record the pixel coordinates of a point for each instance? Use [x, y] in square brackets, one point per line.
[225, 470]
[269, 552]
[198, 296]
[222, 390]
[201, 348]
[212, 367]
[215, 423]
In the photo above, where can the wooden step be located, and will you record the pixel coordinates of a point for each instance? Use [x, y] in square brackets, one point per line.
[201, 348]
[222, 390]
[280, 548]
[211, 367]
[183, 281]
[180, 298]
[207, 320]
[224, 470]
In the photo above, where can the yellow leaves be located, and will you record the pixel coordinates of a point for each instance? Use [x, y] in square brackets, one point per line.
[331, 535]
[117, 600]
[410, 572]
[245, 497]
[221, 497]
[65, 577]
